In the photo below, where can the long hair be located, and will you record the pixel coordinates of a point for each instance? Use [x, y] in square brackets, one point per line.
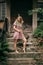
[20, 19]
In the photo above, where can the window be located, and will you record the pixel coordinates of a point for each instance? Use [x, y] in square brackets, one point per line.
[2, 10]
[40, 15]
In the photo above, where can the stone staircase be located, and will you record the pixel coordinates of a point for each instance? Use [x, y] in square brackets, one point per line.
[32, 56]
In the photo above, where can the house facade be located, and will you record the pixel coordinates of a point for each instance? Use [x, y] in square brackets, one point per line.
[11, 8]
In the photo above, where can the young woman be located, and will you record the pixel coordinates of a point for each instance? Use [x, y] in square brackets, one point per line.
[18, 34]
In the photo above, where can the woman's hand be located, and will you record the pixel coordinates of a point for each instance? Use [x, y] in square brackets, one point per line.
[21, 31]
[18, 30]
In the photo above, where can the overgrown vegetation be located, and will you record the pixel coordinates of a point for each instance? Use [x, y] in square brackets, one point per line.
[38, 10]
[38, 33]
[3, 46]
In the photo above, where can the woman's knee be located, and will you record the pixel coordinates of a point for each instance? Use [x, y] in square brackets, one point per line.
[15, 41]
[25, 40]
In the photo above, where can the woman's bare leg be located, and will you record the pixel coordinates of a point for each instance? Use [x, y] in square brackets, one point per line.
[15, 46]
[24, 44]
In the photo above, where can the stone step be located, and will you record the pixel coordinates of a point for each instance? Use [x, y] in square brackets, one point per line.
[11, 41]
[25, 55]
[10, 34]
[21, 44]
[29, 43]
[24, 61]
[19, 61]
[29, 47]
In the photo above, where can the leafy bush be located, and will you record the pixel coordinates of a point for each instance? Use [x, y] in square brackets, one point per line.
[39, 31]
[41, 26]
[3, 48]
[38, 34]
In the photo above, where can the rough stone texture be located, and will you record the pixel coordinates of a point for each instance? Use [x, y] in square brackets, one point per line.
[33, 55]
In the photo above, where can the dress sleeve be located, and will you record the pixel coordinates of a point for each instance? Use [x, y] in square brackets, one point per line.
[15, 24]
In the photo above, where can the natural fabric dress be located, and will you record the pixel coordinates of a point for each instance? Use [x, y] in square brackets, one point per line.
[18, 35]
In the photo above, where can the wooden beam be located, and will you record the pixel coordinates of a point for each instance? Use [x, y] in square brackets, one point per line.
[40, 0]
[2, 1]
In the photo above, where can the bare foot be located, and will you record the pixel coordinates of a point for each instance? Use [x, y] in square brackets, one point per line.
[24, 50]
[16, 51]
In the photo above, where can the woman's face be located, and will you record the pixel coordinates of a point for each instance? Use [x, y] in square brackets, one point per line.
[19, 19]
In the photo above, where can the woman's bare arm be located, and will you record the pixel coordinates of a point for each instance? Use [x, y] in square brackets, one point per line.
[16, 29]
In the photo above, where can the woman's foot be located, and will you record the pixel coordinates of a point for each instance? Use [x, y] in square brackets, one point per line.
[16, 51]
[24, 50]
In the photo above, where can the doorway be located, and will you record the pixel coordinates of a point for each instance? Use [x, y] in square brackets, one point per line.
[21, 7]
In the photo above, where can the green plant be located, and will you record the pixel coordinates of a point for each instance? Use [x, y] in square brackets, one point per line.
[3, 48]
[38, 10]
[38, 34]
[39, 31]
